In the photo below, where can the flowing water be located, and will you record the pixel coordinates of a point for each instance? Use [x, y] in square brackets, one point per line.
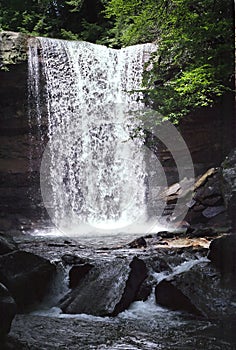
[144, 326]
[94, 176]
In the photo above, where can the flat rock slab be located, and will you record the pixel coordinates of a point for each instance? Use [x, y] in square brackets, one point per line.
[108, 288]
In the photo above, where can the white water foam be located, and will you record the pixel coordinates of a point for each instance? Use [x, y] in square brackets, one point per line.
[93, 174]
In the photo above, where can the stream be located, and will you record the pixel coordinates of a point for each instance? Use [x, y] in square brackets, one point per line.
[144, 326]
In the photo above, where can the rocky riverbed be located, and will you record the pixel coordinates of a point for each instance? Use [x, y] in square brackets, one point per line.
[114, 304]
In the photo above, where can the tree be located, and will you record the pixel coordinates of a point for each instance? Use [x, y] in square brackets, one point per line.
[194, 63]
[74, 19]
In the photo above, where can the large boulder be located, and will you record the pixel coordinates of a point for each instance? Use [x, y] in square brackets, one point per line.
[77, 273]
[107, 289]
[199, 291]
[168, 295]
[7, 311]
[27, 277]
[222, 253]
[7, 245]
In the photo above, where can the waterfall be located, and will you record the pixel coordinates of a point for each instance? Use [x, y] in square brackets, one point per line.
[93, 173]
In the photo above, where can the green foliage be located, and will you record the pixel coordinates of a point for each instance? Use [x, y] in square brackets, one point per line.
[194, 62]
[135, 20]
[74, 19]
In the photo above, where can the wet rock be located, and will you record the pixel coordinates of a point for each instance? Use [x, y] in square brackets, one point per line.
[174, 189]
[168, 295]
[55, 244]
[222, 254]
[148, 236]
[137, 275]
[207, 200]
[211, 212]
[165, 234]
[159, 262]
[145, 290]
[191, 203]
[194, 217]
[199, 207]
[200, 288]
[107, 289]
[77, 273]
[7, 245]
[7, 311]
[220, 222]
[27, 277]
[138, 243]
[202, 232]
[177, 190]
[70, 259]
[210, 189]
[214, 200]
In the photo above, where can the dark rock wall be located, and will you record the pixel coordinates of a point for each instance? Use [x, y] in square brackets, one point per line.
[20, 198]
[209, 134]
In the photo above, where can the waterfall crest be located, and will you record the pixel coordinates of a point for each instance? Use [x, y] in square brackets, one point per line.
[93, 174]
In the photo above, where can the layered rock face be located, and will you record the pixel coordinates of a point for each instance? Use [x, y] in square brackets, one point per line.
[13, 48]
[19, 180]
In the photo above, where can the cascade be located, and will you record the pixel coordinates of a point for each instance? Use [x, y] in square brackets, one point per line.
[93, 173]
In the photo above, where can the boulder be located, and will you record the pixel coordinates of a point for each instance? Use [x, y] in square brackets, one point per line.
[145, 289]
[108, 288]
[7, 311]
[201, 231]
[168, 295]
[199, 291]
[77, 273]
[27, 277]
[138, 243]
[222, 253]
[70, 259]
[207, 205]
[7, 245]
[212, 187]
